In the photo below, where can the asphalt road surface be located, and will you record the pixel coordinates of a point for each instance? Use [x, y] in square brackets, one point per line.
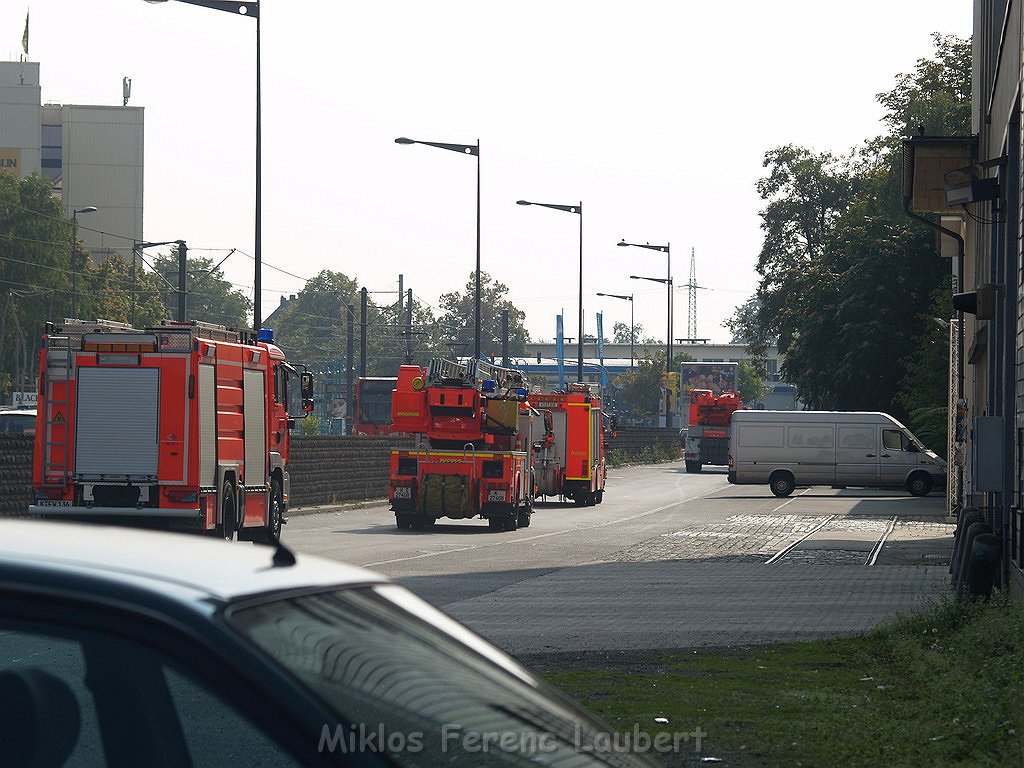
[669, 560]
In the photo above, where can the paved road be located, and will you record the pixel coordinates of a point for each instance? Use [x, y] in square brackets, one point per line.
[669, 560]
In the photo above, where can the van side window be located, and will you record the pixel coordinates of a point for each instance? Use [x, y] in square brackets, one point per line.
[857, 437]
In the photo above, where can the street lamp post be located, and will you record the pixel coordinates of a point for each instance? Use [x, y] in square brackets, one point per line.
[466, 149]
[577, 209]
[668, 360]
[632, 334]
[74, 254]
[667, 250]
[250, 9]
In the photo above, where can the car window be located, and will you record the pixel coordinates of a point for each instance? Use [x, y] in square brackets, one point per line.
[18, 422]
[86, 699]
[423, 696]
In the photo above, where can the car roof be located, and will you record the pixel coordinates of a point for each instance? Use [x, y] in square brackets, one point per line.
[189, 566]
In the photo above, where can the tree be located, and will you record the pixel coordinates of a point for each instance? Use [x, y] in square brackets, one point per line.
[621, 332]
[35, 274]
[641, 387]
[314, 327]
[115, 294]
[846, 278]
[456, 322]
[751, 381]
[210, 297]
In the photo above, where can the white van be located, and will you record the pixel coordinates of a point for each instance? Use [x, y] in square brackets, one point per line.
[789, 448]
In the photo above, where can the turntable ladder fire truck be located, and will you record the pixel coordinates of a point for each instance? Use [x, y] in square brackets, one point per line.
[570, 462]
[474, 428]
[707, 437]
[184, 426]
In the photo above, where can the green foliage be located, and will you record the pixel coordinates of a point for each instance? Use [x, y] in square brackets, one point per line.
[459, 311]
[210, 297]
[314, 326]
[641, 387]
[621, 332]
[35, 275]
[113, 294]
[309, 426]
[751, 381]
[847, 279]
[938, 688]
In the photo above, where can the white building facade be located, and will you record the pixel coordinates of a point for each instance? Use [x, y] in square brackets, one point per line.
[91, 155]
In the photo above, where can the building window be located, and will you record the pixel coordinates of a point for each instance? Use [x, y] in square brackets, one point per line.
[52, 153]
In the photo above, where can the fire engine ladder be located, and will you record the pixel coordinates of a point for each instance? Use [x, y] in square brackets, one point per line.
[440, 370]
[505, 378]
[58, 371]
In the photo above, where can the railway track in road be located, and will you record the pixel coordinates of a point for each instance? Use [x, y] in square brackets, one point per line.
[839, 540]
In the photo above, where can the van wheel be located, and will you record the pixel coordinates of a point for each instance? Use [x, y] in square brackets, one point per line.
[781, 483]
[919, 484]
[693, 467]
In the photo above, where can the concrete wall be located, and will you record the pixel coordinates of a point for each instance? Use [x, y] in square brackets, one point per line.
[325, 469]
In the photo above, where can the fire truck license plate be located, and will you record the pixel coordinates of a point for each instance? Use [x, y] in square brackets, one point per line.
[54, 503]
[403, 492]
[496, 495]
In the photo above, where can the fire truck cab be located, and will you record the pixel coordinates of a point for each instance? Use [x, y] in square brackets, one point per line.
[184, 426]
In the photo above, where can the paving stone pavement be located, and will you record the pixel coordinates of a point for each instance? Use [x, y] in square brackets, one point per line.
[704, 602]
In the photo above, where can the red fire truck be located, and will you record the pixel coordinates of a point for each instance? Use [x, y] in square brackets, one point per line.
[373, 405]
[707, 437]
[570, 462]
[184, 426]
[474, 430]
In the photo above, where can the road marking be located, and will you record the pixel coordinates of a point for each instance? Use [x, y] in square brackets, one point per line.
[537, 536]
[877, 550]
[790, 501]
[795, 544]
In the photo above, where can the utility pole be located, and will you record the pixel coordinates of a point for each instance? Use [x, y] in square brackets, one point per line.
[182, 279]
[350, 406]
[408, 331]
[691, 322]
[362, 332]
[504, 338]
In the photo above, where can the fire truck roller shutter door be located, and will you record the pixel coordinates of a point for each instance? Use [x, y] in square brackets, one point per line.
[255, 428]
[207, 426]
[128, 397]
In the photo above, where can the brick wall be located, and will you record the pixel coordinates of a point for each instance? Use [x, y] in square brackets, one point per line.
[15, 473]
[325, 469]
[631, 440]
[333, 469]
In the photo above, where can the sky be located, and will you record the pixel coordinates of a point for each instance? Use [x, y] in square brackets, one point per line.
[656, 115]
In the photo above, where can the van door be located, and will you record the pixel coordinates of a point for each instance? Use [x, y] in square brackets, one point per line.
[899, 455]
[857, 454]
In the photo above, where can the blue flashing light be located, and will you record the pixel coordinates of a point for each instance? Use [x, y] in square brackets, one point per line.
[267, 335]
[522, 392]
[489, 385]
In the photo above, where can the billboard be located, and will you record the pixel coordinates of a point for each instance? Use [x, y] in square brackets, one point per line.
[718, 377]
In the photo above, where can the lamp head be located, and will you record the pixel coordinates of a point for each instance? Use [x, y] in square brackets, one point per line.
[622, 242]
[86, 209]
[523, 202]
[403, 140]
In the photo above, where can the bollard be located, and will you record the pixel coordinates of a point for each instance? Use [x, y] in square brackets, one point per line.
[972, 531]
[967, 516]
[981, 566]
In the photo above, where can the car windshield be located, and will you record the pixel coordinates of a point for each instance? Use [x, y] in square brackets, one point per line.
[406, 681]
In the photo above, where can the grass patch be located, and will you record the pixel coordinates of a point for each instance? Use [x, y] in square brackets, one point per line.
[938, 689]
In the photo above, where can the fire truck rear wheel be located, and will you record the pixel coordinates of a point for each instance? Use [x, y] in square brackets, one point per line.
[693, 467]
[511, 521]
[403, 519]
[599, 496]
[275, 515]
[523, 518]
[228, 512]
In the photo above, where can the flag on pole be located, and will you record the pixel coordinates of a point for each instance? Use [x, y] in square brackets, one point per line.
[24, 37]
